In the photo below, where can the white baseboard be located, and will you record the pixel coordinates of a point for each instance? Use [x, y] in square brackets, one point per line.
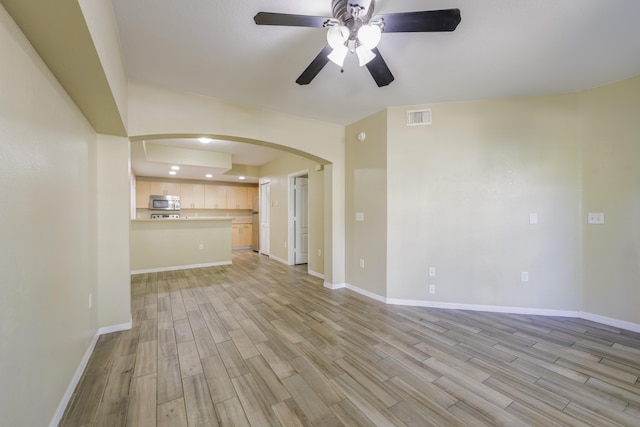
[57, 417]
[487, 308]
[280, 260]
[181, 267]
[316, 274]
[334, 286]
[366, 293]
[621, 324]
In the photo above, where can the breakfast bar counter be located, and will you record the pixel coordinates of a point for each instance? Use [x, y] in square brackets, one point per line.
[177, 244]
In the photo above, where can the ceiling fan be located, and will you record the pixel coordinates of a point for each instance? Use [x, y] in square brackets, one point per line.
[354, 28]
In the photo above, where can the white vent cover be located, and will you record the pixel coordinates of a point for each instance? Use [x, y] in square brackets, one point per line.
[418, 117]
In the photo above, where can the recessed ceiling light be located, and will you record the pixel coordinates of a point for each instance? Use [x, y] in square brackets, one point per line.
[209, 175]
[241, 178]
[175, 168]
[205, 140]
[172, 172]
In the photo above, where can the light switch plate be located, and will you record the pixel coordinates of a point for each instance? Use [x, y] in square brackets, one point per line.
[359, 216]
[533, 218]
[595, 218]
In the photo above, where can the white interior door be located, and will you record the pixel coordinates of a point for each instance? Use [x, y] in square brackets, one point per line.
[301, 220]
[265, 205]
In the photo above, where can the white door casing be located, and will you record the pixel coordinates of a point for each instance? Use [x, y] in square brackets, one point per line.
[301, 220]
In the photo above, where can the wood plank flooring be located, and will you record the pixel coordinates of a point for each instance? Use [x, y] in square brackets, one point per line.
[262, 344]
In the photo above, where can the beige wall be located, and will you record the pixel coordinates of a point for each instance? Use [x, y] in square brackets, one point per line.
[48, 255]
[160, 112]
[610, 131]
[460, 192]
[113, 182]
[161, 245]
[277, 173]
[101, 24]
[366, 192]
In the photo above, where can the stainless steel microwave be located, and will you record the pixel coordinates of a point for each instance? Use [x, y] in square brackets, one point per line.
[164, 203]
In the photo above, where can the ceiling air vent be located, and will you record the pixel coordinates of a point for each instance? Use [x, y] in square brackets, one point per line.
[418, 117]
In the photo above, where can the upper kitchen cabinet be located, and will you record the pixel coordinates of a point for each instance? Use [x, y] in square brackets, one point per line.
[165, 188]
[192, 196]
[143, 191]
[252, 193]
[237, 197]
[215, 197]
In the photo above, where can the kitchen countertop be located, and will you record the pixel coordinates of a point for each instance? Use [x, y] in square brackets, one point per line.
[199, 218]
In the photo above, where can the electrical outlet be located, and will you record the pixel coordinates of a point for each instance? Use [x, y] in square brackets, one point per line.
[524, 276]
[432, 289]
[432, 271]
[90, 299]
[533, 218]
[361, 262]
[595, 218]
[319, 252]
[201, 246]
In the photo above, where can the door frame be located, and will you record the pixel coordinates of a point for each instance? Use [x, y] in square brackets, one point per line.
[291, 210]
[262, 205]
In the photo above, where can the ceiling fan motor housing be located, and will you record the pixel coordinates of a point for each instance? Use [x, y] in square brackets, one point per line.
[343, 11]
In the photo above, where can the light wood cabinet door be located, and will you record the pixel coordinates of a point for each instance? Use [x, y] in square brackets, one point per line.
[241, 235]
[192, 196]
[165, 189]
[143, 191]
[252, 193]
[215, 197]
[237, 197]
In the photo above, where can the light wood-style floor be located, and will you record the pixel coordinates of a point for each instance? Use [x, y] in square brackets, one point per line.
[262, 344]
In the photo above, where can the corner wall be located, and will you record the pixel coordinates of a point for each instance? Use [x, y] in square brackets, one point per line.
[366, 258]
[610, 131]
[48, 254]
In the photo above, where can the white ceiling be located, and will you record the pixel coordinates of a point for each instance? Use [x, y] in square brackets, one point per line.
[502, 48]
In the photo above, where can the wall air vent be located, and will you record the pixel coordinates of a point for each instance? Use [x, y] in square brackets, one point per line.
[418, 117]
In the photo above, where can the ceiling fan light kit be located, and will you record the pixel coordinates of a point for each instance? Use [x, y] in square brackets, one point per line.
[353, 27]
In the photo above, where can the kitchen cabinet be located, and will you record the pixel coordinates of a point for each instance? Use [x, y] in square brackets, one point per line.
[192, 196]
[252, 193]
[237, 197]
[165, 189]
[215, 197]
[241, 235]
[143, 191]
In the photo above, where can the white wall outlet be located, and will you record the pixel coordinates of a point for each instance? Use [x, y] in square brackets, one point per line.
[524, 276]
[432, 271]
[201, 246]
[361, 262]
[359, 216]
[432, 289]
[90, 299]
[533, 218]
[595, 218]
[319, 252]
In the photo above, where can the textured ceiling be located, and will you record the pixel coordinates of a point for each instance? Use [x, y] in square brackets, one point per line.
[502, 48]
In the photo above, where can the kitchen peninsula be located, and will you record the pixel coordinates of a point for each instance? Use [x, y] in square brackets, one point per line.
[176, 244]
[213, 219]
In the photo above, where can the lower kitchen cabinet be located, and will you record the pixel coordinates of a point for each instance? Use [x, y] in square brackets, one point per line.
[241, 235]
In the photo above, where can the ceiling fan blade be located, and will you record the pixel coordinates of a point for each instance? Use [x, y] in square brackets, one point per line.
[314, 68]
[379, 70]
[268, 18]
[425, 21]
